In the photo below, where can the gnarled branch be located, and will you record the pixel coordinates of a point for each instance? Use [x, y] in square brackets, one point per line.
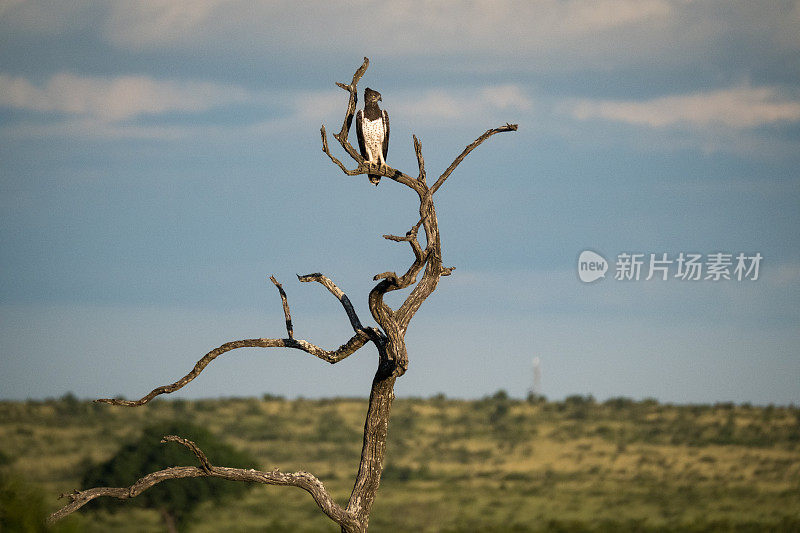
[356, 341]
[355, 172]
[361, 337]
[303, 480]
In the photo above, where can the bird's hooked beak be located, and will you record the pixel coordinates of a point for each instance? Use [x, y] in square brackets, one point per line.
[380, 99]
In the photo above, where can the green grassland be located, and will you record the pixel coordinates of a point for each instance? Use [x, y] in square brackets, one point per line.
[496, 464]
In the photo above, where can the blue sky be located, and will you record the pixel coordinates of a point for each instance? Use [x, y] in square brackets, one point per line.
[159, 160]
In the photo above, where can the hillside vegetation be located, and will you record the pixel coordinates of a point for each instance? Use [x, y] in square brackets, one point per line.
[495, 464]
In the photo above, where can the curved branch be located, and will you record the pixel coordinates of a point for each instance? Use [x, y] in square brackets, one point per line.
[390, 281]
[352, 88]
[354, 172]
[355, 342]
[419, 255]
[410, 277]
[301, 479]
[201, 456]
[467, 150]
[399, 177]
[339, 294]
[382, 313]
[351, 105]
[80, 498]
[362, 167]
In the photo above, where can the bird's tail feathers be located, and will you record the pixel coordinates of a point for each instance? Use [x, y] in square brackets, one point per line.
[375, 179]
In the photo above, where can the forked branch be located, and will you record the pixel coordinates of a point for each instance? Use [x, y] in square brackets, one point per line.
[301, 479]
[330, 356]
[356, 171]
[361, 337]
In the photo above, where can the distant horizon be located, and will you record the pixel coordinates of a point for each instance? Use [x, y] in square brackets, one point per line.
[433, 397]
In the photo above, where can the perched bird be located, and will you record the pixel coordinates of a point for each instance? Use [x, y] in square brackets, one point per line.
[372, 129]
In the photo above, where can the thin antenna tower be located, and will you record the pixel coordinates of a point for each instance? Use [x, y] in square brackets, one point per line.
[537, 378]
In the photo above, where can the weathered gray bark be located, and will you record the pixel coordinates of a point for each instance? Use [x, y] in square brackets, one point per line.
[388, 338]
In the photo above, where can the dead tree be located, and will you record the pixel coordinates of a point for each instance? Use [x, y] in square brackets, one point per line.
[388, 338]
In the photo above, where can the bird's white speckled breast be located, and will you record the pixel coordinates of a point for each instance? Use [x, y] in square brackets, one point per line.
[373, 136]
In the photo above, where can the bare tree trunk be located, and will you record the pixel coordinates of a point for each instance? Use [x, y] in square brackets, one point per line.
[169, 520]
[373, 451]
[388, 337]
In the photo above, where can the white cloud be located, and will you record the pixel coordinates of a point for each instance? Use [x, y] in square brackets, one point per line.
[508, 96]
[482, 35]
[107, 107]
[556, 35]
[489, 36]
[461, 104]
[409, 25]
[114, 99]
[87, 106]
[563, 35]
[737, 108]
[318, 105]
[135, 24]
[583, 17]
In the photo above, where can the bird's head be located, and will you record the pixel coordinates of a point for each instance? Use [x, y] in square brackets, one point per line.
[372, 96]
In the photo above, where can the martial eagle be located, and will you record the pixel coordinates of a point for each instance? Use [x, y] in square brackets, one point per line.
[372, 129]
